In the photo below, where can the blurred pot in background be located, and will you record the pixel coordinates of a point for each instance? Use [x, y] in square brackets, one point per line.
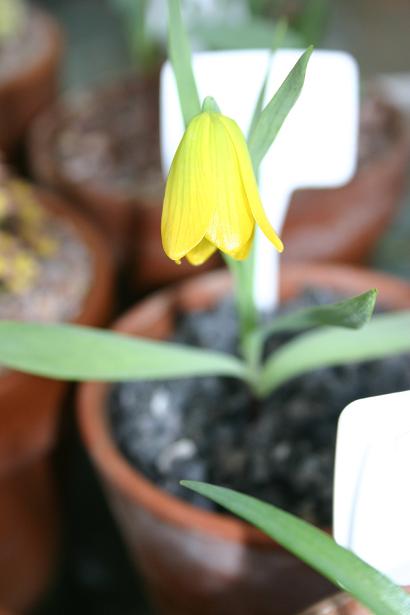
[102, 150]
[55, 268]
[31, 48]
[344, 224]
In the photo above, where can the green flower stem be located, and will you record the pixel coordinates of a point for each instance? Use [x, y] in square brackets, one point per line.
[247, 313]
[265, 125]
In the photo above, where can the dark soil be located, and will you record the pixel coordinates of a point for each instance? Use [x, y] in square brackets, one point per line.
[280, 450]
[62, 283]
[110, 138]
[24, 47]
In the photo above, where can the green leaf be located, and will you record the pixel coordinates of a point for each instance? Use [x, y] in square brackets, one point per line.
[385, 335]
[278, 37]
[180, 55]
[276, 111]
[351, 313]
[256, 33]
[81, 353]
[317, 549]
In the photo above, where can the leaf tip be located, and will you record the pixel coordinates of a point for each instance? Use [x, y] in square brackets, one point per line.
[373, 294]
[188, 483]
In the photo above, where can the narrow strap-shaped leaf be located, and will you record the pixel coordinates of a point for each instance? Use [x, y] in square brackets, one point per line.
[351, 313]
[384, 335]
[274, 114]
[317, 549]
[82, 353]
[180, 55]
[278, 38]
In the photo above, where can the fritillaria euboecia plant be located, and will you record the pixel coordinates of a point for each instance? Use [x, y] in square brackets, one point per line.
[212, 203]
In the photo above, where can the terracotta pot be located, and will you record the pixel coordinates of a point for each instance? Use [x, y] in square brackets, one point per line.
[194, 561]
[29, 417]
[344, 224]
[30, 89]
[341, 604]
[336, 225]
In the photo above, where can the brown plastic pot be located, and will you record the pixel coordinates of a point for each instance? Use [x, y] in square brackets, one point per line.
[29, 417]
[30, 89]
[195, 561]
[326, 225]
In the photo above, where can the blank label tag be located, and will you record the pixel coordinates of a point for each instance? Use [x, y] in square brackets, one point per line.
[371, 494]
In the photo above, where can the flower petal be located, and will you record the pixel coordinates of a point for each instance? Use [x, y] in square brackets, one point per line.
[243, 252]
[249, 182]
[187, 208]
[232, 223]
[201, 252]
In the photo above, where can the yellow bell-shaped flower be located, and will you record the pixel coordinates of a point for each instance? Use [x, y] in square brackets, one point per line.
[211, 197]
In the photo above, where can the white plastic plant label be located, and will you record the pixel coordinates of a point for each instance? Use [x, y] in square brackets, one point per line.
[316, 147]
[371, 493]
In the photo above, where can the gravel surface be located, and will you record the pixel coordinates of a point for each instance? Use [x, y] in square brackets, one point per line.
[62, 283]
[110, 137]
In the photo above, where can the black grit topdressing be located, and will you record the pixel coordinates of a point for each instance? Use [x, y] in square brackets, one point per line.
[280, 449]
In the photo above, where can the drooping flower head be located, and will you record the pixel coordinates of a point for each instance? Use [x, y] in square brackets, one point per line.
[211, 197]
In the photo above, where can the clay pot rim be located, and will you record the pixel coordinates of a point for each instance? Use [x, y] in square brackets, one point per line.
[333, 605]
[102, 267]
[341, 603]
[95, 432]
[53, 49]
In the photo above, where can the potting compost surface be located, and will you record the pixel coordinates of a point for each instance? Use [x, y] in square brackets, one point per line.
[280, 449]
[62, 281]
[110, 137]
[24, 48]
